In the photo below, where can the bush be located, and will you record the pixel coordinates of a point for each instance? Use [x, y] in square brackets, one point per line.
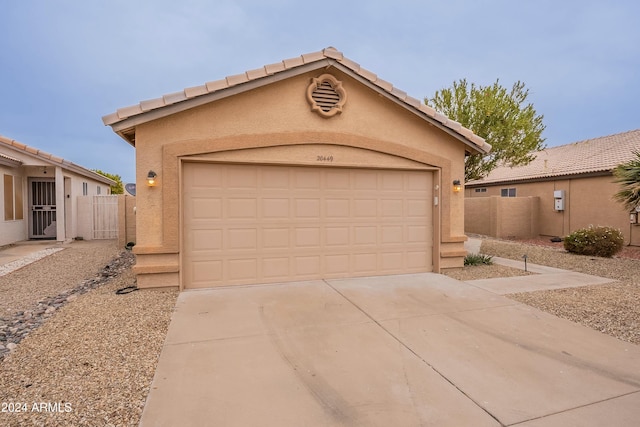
[596, 241]
[478, 259]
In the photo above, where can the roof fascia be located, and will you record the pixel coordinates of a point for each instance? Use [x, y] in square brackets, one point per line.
[127, 124]
[50, 159]
[12, 163]
[475, 149]
[124, 128]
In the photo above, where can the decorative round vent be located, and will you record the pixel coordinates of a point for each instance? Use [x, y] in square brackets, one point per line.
[326, 95]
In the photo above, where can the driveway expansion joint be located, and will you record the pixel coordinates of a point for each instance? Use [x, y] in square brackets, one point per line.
[412, 351]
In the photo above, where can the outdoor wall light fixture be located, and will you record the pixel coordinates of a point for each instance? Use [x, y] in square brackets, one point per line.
[457, 186]
[151, 178]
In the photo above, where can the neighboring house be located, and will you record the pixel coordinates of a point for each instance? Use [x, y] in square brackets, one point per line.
[39, 191]
[565, 188]
[309, 168]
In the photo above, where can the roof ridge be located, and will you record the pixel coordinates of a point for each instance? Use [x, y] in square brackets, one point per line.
[599, 138]
[329, 53]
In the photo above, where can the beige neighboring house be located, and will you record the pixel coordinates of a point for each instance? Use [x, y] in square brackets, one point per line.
[565, 188]
[308, 168]
[39, 192]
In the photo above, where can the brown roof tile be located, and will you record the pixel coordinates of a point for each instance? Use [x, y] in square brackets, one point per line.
[192, 92]
[312, 57]
[582, 157]
[237, 79]
[329, 53]
[132, 110]
[372, 77]
[293, 62]
[275, 68]
[332, 52]
[384, 84]
[152, 104]
[256, 74]
[174, 98]
[216, 85]
[351, 64]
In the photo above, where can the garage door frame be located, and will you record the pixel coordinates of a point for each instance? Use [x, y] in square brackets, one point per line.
[435, 214]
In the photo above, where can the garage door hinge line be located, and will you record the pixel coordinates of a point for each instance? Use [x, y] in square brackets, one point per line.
[414, 353]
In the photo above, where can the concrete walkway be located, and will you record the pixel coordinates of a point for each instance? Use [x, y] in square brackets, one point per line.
[20, 250]
[545, 278]
[407, 350]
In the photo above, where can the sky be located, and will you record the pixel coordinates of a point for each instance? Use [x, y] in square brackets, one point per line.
[66, 63]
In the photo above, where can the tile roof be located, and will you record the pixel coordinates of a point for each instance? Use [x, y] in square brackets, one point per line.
[582, 157]
[49, 158]
[124, 118]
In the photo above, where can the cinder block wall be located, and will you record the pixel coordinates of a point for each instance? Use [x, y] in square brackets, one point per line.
[477, 215]
[503, 217]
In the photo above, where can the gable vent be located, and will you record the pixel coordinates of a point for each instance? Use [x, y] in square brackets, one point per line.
[326, 95]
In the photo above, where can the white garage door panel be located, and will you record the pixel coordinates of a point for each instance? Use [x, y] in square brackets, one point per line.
[257, 224]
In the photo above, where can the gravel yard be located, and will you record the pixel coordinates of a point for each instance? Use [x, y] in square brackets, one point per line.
[613, 309]
[93, 361]
[473, 272]
[22, 289]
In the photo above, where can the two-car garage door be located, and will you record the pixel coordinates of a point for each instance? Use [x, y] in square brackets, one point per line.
[246, 224]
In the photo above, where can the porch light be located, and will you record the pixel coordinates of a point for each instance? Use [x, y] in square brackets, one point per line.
[457, 186]
[151, 178]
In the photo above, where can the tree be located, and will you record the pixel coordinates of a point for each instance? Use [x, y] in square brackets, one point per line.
[501, 117]
[118, 188]
[628, 176]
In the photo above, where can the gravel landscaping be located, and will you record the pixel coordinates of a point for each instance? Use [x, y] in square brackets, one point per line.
[473, 272]
[93, 360]
[87, 355]
[613, 309]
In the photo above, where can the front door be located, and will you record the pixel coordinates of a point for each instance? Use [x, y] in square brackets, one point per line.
[42, 208]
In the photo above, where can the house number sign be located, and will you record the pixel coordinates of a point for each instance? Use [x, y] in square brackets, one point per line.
[324, 158]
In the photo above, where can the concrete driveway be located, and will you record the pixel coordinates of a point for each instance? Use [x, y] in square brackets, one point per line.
[410, 350]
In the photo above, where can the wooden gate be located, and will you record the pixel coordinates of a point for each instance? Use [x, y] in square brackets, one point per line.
[105, 217]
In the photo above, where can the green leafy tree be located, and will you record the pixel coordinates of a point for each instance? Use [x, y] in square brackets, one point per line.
[502, 117]
[118, 188]
[628, 176]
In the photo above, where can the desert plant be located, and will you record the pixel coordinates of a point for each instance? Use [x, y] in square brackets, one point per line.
[478, 259]
[595, 241]
[628, 176]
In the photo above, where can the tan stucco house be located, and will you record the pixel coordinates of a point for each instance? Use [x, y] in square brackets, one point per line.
[563, 189]
[39, 193]
[308, 168]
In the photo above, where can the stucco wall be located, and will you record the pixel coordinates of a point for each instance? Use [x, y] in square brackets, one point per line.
[503, 217]
[278, 115]
[588, 201]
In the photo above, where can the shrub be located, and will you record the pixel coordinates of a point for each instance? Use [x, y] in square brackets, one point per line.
[478, 259]
[596, 241]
